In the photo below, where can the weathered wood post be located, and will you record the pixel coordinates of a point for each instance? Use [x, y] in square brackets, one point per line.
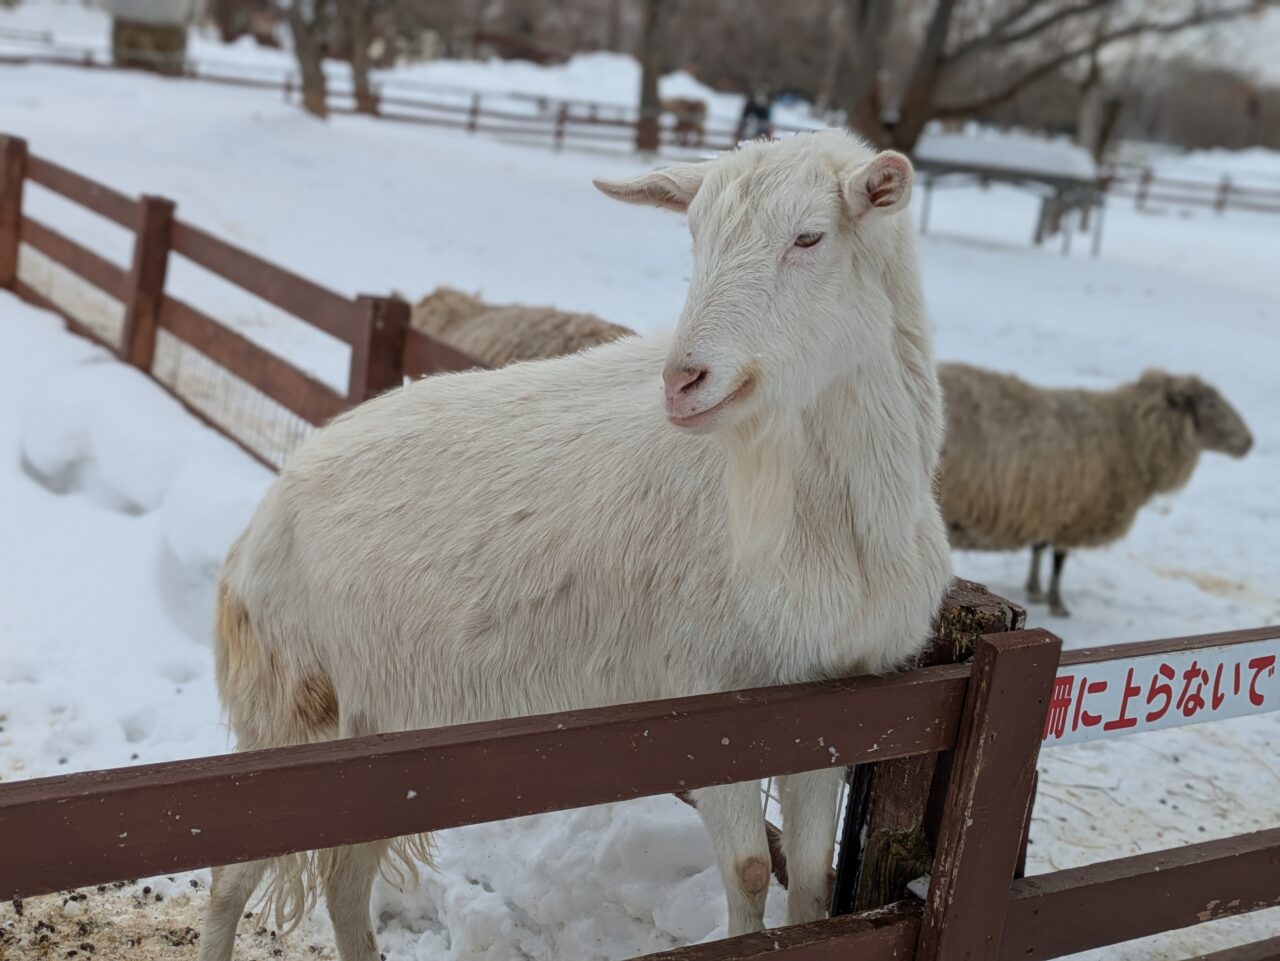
[377, 349]
[1096, 249]
[989, 797]
[928, 202]
[13, 171]
[562, 120]
[1144, 185]
[144, 287]
[889, 803]
[1224, 190]
[473, 114]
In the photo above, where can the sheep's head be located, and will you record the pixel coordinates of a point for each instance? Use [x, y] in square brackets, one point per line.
[1218, 426]
[794, 248]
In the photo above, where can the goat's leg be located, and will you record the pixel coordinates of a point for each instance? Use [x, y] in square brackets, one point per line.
[734, 818]
[228, 894]
[347, 876]
[1056, 607]
[1034, 592]
[809, 839]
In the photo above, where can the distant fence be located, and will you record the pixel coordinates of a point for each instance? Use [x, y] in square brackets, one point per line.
[558, 120]
[263, 401]
[553, 120]
[1145, 187]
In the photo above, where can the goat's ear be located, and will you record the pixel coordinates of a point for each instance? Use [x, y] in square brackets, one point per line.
[880, 186]
[672, 187]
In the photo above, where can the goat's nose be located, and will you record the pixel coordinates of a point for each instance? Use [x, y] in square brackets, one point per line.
[680, 380]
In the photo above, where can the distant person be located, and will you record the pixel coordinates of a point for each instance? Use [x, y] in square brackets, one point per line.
[756, 113]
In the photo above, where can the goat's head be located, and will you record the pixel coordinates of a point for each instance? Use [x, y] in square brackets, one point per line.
[793, 250]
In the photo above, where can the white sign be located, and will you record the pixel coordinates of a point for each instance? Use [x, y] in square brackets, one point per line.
[1110, 698]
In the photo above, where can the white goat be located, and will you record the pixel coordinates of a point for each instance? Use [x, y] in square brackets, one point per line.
[542, 537]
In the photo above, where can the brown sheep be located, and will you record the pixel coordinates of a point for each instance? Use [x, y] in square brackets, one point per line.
[504, 334]
[1030, 466]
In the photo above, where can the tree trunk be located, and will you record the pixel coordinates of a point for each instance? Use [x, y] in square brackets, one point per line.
[230, 27]
[917, 104]
[1089, 114]
[651, 43]
[307, 47]
[356, 16]
[1109, 126]
[838, 40]
[867, 24]
[614, 39]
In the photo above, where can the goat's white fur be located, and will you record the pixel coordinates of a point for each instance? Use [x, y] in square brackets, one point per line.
[539, 538]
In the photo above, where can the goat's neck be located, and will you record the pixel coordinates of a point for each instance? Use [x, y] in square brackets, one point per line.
[872, 442]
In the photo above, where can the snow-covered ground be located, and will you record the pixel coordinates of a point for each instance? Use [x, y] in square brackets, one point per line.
[117, 507]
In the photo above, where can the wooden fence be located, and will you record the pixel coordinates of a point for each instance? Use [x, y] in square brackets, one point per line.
[263, 401]
[984, 723]
[945, 755]
[1146, 188]
[556, 121]
[550, 120]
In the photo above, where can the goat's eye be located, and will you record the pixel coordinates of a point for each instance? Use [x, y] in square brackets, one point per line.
[808, 239]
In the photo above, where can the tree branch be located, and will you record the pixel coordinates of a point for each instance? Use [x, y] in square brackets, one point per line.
[1011, 90]
[1032, 29]
[996, 33]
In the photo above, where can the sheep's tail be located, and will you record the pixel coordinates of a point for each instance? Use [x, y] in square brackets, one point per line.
[274, 703]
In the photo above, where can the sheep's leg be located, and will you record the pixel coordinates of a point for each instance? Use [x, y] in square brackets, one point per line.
[1056, 607]
[348, 882]
[228, 894]
[808, 840]
[735, 820]
[1034, 591]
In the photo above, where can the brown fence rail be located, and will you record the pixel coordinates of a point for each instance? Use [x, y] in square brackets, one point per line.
[217, 372]
[90, 828]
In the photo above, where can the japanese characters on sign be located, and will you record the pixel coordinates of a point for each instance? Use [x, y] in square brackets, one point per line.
[1108, 698]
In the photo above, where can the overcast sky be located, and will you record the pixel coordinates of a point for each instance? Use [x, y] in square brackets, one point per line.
[1251, 44]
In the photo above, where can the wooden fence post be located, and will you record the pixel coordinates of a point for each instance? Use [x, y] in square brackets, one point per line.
[889, 803]
[473, 114]
[145, 284]
[562, 118]
[1224, 189]
[1144, 184]
[13, 171]
[377, 352]
[648, 132]
[989, 797]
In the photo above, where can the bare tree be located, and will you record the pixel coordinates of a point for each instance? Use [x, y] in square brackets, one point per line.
[867, 23]
[651, 63]
[838, 41]
[308, 21]
[1029, 39]
[356, 17]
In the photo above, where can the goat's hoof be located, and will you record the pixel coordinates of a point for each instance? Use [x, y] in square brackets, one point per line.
[1059, 609]
[1035, 595]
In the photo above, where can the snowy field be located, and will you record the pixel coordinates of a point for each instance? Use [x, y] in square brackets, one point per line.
[118, 507]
